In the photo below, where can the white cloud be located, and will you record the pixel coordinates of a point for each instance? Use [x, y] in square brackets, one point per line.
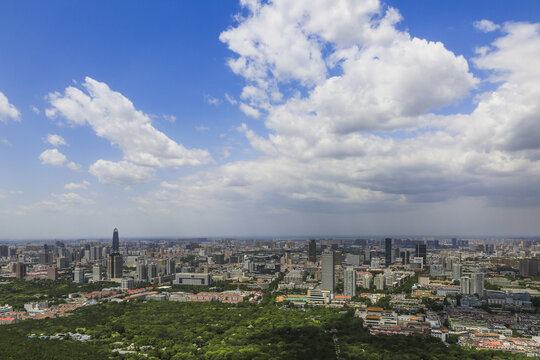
[56, 158]
[77, 186]
[113, 117]
[486, 25]
[52, 157]
[202, 128]
[363, 139]
[230, 99]
[34, 109]
[121, 173]
[249, 111]
[72, 198]
[5, 142]
[56, 140]
[212, 100]
[7, 110]
[169, 118]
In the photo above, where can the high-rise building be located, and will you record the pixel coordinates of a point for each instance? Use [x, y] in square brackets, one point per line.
[152, 271]
[115, 241]
[45, 258]
[312, 252]
[4, 251]
[456, 271]
[388, 251]
[20, 270]
[366, 280]
[78, 275]
[328, 276]
[97, 272]
[477, 284]
[52, 273]
[421, 252]
[465, 284]
[349, 282]
[115, 266]
[529, 267]
[127, 284]
[142, 272]
[379, 281]
[170, 266]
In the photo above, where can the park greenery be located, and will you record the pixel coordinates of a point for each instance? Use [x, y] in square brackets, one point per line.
[18, 292]
[172, 330]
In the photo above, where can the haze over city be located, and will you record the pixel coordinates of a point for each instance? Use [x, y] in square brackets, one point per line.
[281, 118]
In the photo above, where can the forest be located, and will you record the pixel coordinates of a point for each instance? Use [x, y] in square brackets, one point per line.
[172, 330]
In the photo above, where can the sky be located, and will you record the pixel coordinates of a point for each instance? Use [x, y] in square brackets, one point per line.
[269, 118]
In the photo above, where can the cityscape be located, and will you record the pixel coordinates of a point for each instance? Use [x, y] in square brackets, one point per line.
[269, 179]
[477, 293]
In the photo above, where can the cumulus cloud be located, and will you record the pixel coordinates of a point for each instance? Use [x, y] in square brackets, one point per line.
[56, 158]
[486, 25]
[7, 110]
[52, 157]
[72, 198]
[56, 140]
[77, 186]
[121, 173]
[359, 133]
[113, 117]
[169, 118]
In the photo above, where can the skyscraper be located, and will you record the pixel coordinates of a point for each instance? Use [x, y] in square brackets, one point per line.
[96, 272]
[328, 276]
[78, 275]
[312, 253]
[456, 271]
[349, 287]
[115, 266]
[388, 251]
[20, 270]
[465, 283]
[421, 252]
[477, 284]
[115, 263]
[115, 241]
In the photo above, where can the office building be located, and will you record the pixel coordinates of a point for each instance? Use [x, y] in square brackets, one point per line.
[477, 284]
[328, 275]
[20, 270]
[62, 263]
[142, 272]
[388, 251]
[456, 271]
[115, 242]
[52, 273]
[529, 267]
[349, 282]
[127, 284]
[193, 279]
[115, 266]
[170, 265]
[465, 284]
[78, 275]
[312, 252]
[4, 251]
[45, 258]
[421, 252]
[97, 273]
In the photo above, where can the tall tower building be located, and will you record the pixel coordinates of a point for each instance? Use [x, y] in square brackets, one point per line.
[456, 271]
[477, 284]
[465, 283]
[312, 253]
[328, 276]
[115, 241]
[78, 275]
[20, 270]
[96, 273]
[142, 272]
[421, 252]
[379, 282]
[115, 266]
[388, 251]
[349, 282]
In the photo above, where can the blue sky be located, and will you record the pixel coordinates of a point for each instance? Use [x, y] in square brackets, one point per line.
[410, 131]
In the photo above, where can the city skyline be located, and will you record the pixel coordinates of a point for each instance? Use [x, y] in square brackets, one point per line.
[269, 119]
